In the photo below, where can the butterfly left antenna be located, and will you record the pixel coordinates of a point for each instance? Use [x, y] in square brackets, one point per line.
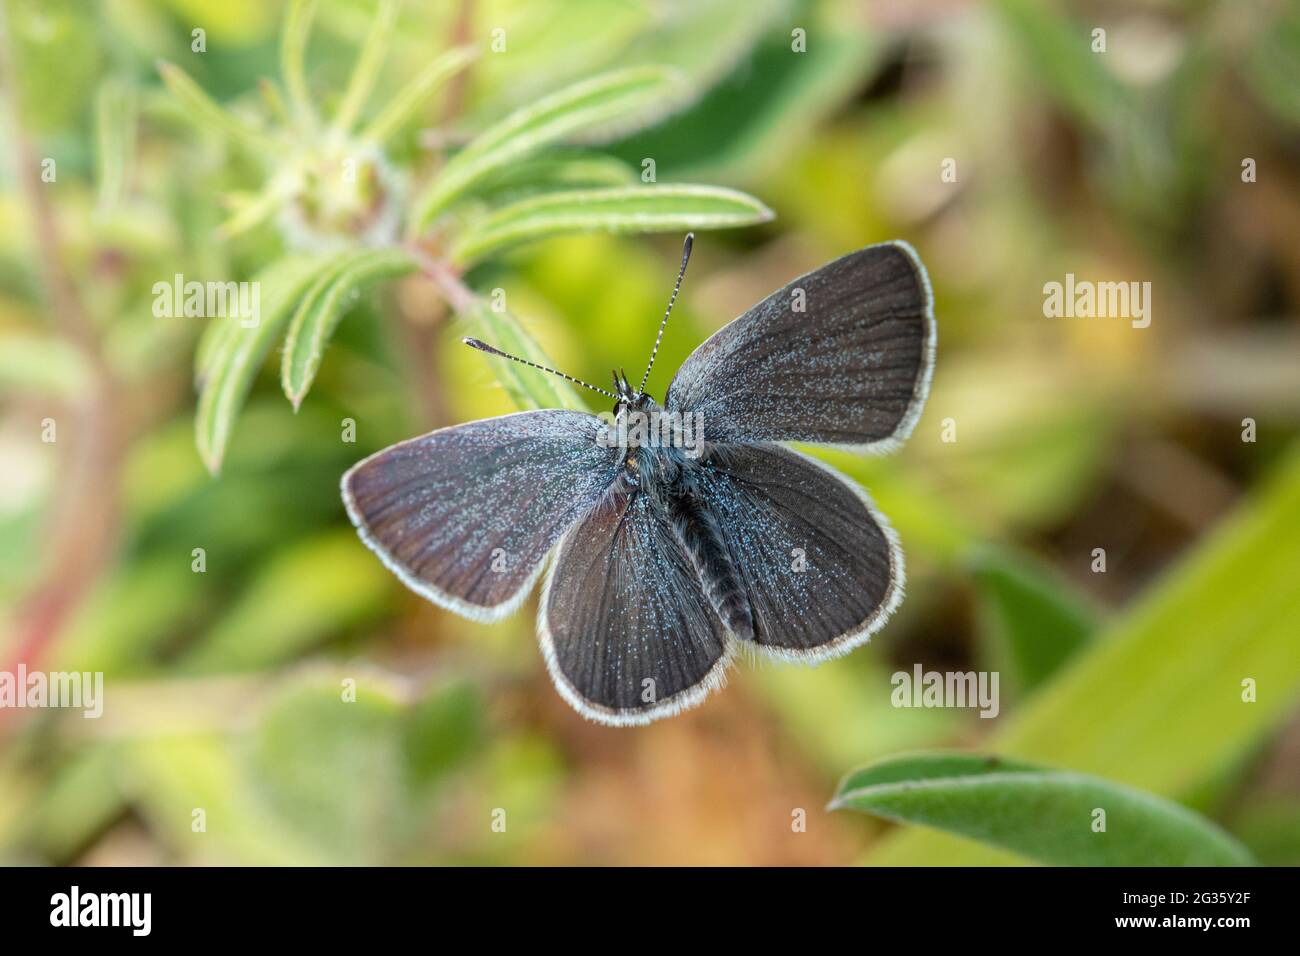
[484, 347]
[686, 256]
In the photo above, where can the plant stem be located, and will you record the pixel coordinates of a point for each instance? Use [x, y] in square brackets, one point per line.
[445, 278]
[420, 333]
[83, 524]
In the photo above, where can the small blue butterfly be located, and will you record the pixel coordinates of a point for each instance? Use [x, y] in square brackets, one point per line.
[670, 556]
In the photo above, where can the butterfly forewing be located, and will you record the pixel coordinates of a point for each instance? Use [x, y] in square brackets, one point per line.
[819, 566]
[465, 516]
[626, 630]
[841, 355]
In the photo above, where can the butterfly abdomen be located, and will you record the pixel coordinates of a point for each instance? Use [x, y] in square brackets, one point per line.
[698, 530]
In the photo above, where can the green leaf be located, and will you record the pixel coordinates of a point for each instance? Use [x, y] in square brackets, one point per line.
[585, 106]
[273, 99]
[115, 127]
[556, 170]
[1058, 51]
[1046, 815]
[399, 111]
[321, 308]
[293, 52]
[1227, 614]
[250, 211]
[442, 732]
[170, 775]
[229, 358]
[204, 112]
[528, 387]
[1035, 620]
[369, 62]
[212, 342]
[310, 751]
[675, 208]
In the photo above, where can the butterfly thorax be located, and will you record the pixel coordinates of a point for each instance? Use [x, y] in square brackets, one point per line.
[666, 459]
[676, 485]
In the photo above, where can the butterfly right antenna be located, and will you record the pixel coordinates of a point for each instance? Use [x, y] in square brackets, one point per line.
[686, 256]
[484, 347]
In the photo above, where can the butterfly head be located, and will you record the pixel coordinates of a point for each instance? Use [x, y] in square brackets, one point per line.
[628, 397]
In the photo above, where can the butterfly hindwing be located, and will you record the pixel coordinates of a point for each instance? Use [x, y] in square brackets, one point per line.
[624, 625]
[465, 516]
[820, 567]
[842, 355]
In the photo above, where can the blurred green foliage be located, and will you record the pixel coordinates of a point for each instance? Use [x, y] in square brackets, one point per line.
[316, 712]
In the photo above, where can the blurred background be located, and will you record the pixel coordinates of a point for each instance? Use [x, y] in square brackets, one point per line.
[1171, 157]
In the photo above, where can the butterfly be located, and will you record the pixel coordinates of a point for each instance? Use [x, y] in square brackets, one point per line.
[673, 547]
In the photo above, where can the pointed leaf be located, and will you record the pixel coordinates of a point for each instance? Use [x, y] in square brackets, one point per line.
[251, 211]
[369, 62]
[230, 358]
[555, 170]
[1047, 815]
[411, 97]
[115, 130]
[322, 307]
[204, 112]
[677, 208]
[293, 53]
[584, 106]
[528, 387]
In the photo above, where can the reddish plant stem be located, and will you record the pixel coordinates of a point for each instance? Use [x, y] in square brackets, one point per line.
[421, 330]
[82, 525]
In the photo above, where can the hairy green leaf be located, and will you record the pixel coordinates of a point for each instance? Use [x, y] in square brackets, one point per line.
[369, 62]
[674, 208]
[321, 308]
[1053, 816]
[528, 387]
[555, 170]
[204, 112]
[115, 129]
[584, 106]
[399, 111]
[293, 54]
[230, 357]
